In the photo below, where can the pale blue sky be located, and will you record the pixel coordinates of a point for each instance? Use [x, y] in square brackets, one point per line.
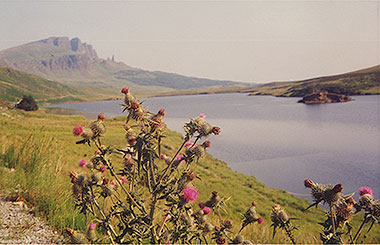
[251, 41]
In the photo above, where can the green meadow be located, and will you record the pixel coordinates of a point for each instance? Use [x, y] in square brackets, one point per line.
[38, 151]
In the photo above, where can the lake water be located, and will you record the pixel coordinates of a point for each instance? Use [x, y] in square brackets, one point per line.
[277, 140]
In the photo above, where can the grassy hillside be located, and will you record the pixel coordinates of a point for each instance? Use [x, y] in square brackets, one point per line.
[362, 82]
[42, 150]
[14, 84]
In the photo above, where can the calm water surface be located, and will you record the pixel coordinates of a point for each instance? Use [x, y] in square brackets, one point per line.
[277, 140]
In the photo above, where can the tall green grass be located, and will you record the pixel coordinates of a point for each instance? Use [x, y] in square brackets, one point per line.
[31, 172]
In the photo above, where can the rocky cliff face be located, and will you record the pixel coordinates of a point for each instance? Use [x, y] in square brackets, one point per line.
[82, 56]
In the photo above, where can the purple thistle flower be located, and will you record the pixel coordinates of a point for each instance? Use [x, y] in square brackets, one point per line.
[92, 226]
[179, 157]
[78, 130]
[163, 156]
[125, 90]
[202, 115]
[103, 169]
[123, 179]
[189, 144]
[260, 220]
[190, 194]
[365, 190]
[82, 163]
[206, 210]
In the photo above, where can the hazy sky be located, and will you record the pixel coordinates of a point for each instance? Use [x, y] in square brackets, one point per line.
[252, 41]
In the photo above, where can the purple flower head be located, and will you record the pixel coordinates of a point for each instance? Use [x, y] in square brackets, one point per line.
[202, 115]
[189, 144]
[103, 169]
[190, 194]
[82, 163]
[260, 220]
[201, 205]
[365, 190]
[123, 179]
[78, 130]
[179, 157]
[163, 156]
[125, 90]
[92, 226]
[206, 210]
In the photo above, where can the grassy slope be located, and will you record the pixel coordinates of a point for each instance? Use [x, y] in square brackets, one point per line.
[362, 82]
[14, 84]
[48, 188]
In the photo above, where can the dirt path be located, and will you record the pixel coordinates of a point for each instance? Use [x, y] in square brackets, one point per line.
[19, 226]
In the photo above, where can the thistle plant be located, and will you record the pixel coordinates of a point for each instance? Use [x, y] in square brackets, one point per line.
[342, 209]
[280, 219]
[151, 198]
[371, 208]
[150, 194]
[330, 195]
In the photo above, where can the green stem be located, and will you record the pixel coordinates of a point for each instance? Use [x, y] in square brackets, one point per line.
[122, 187]
[332, 218]
[171, 162]
[289, 233]
[109, 225]
[359, 231]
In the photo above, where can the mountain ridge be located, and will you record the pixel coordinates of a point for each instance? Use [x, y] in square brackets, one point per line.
[74, 62]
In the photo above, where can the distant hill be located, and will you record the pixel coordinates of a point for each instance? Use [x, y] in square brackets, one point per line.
[361, 82]
[14, 84]
[77, 63]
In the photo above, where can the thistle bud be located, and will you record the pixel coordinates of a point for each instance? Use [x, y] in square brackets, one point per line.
[220, 240]
[96, 177]
[186, 219]
[91, 233]
[87, 134]
[227, 224]
[216, 130]
[73, 176]
[190, 176]
[309, 183]
[278, 215]
[208, 227]
[135, 105]
[238, 239]
[90, 165]
[102, 117]
[76, 237]
[206, 144]
[214, 200]
[82, 180]
[161, 112]
[132, 141]
[366, 201]
[201, 205]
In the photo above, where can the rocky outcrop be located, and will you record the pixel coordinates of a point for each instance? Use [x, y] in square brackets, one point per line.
[82, 56]
[323, 97]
